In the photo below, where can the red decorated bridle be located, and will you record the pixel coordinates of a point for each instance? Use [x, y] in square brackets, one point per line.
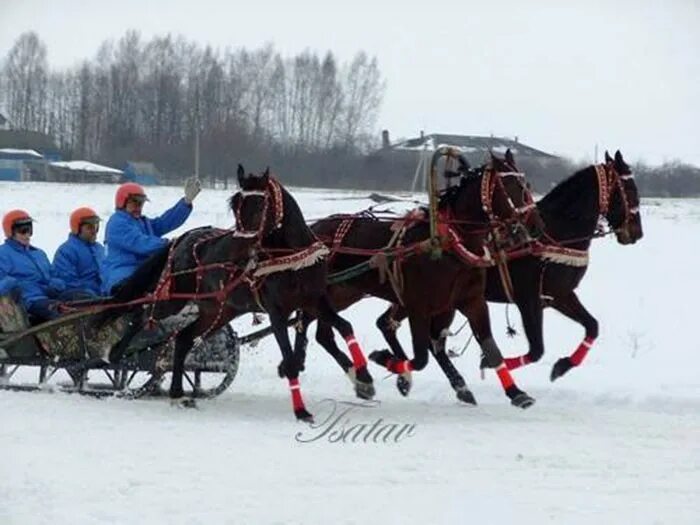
[272, 196]
[610, 179]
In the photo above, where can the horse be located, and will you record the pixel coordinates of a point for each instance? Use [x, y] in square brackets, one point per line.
[432, 285]
[271, 262]
[571, 213]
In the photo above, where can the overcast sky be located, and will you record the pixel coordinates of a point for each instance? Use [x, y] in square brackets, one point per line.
[561, 75]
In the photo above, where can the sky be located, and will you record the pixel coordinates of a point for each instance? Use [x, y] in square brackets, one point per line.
[562, 76]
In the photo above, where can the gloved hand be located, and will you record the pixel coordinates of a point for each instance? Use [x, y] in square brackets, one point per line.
[192, 188]
[56, 286]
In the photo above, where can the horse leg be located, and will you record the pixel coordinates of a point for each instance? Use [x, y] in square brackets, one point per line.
[183, 343]
[301, 341]
[476, 310]
[289, 367]
[531, 314]
[325, 337]
[420, 334]
[327, 315]
[571, 307]
[438, 336]
[388, 323]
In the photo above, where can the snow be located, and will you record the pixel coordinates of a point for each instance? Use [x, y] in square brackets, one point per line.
[13, 151]
[84, 165]
[615, 441]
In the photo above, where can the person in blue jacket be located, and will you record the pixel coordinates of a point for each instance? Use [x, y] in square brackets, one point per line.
[130, 238]
[25, 270]
[78, 261]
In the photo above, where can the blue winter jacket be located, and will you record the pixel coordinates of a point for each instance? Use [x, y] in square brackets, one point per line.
[130, 241]
[78, 263]
[27, 268]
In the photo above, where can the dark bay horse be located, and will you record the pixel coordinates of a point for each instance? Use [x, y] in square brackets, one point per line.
[425, 285]
[271, 262]
[571, 212]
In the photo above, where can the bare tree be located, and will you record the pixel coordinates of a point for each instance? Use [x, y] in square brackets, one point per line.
[26, 73]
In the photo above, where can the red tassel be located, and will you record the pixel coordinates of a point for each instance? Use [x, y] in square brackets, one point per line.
[358, 358]
[580, 353]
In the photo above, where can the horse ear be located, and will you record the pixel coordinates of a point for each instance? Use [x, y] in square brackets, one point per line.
[608, 158]
[618, 157]
[241, 174]
[267, 172]
[509, 157]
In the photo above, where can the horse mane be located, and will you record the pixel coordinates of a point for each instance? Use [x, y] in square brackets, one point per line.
[568, 197]
[448, 197]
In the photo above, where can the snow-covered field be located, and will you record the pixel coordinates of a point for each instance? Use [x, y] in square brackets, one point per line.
[616, 441]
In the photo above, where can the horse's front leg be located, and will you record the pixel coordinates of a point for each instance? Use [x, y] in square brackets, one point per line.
[438, 342]
[289, 367]
[357, 371]
[571, 307]
[476, 310]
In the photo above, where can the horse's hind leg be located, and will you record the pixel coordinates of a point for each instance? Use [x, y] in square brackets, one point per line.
[571, 307]
[325, 337]
[289, 367]
[364, 385]
[476, 310]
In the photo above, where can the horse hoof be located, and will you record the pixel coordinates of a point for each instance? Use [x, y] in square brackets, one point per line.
[404, 383]
[303, 415]
[364, 390]
[522, 400]
[465, 395]
[381, 357]
[183, 402]
[561, 367]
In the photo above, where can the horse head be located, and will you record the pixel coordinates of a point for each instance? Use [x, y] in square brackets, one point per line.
[619, 199]
[258, 206]
[494, 194]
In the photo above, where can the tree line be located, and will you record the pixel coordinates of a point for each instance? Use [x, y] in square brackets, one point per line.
[143, 99]
[310, 117]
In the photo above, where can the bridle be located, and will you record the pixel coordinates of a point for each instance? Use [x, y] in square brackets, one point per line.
[272, 196]
[610, 179]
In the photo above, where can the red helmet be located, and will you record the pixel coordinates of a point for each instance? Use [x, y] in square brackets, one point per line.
[81, 216]
[12, 218]
[125, 191]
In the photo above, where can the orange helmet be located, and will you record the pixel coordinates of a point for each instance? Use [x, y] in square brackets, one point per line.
[81, 216]
[13, 218]
[125, 191]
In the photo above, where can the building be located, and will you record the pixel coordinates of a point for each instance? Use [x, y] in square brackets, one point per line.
[82, 171]
[404, 161]
[14, 163]
[141, 172]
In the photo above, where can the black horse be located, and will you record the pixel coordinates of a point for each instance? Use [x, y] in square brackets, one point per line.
[425, 285]
[571, 213]
[272, 262]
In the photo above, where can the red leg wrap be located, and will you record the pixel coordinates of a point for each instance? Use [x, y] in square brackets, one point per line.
[295, 389]
[358, 358]
[516, 362]
[580, 353]
[505, 377]
[399, 366]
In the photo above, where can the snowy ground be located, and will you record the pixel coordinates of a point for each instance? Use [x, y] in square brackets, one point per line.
[616, 440]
